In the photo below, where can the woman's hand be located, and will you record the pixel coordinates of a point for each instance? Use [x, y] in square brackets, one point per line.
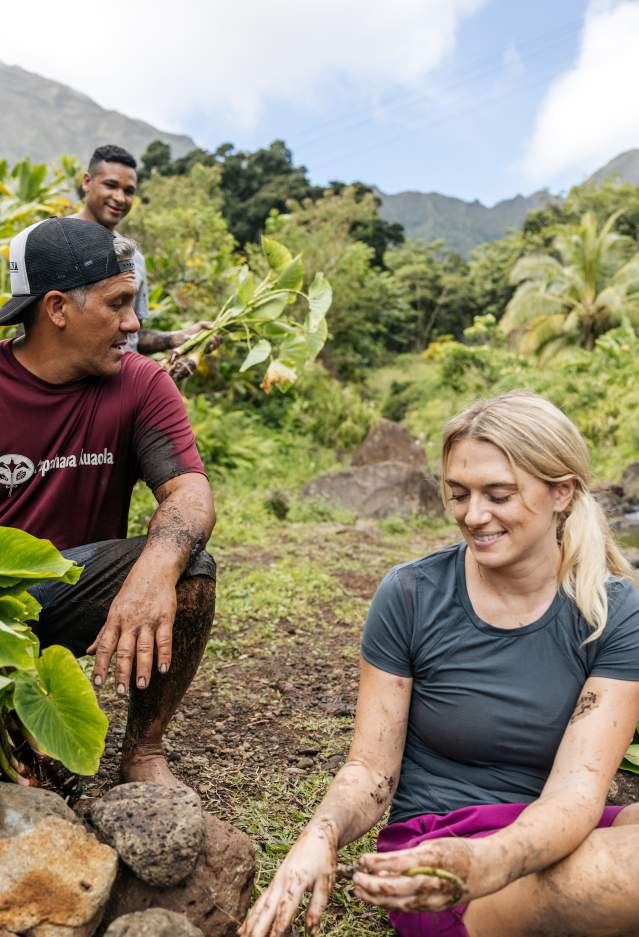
[384, 879]
[309, 866]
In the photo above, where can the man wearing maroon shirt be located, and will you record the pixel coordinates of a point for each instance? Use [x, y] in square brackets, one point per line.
[81, 422]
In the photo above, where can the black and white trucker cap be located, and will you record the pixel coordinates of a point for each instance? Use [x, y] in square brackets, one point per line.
[58, 254]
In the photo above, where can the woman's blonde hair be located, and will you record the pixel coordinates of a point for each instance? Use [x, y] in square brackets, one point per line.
[537, 437]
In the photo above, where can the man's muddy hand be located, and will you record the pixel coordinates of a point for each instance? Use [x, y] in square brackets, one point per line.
[139, 621]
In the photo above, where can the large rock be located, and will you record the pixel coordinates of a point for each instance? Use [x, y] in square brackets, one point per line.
[630, 481]
[21, 808]
[156, 922]
[55, 877]
[381, 490]
[215, 897]
[157, 830]
[388, 441]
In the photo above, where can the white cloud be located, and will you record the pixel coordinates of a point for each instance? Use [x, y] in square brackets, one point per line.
[165, 62]
[590, 112]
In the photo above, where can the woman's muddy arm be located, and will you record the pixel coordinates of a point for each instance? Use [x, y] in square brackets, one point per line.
[573, 798]
[355, 801]
[363, 788]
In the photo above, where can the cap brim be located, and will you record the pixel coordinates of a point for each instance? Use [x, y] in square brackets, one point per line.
[14, 309]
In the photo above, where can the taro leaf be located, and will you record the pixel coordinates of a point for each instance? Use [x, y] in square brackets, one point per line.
[25, 557]
[631, 759]
[18, 649]
[258, 353]
[270, 308]
[61, 712]
[20, 607]
[315, 339]
[628, 766]
[320, 297]
[277, 256]
[292, 276]
[6, 693]
[247, 285]
[294, 351]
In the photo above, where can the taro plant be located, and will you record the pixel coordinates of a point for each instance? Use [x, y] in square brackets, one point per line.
[48, 710]
[631, 758]
[260, 315]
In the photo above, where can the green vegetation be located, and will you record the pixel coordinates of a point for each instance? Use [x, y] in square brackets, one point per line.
[47, 705]
[415, 331]
[573, 300]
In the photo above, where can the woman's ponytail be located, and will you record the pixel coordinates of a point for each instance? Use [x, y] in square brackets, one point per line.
[589, 556]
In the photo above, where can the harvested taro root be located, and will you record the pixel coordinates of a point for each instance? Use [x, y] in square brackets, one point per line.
[344, 873]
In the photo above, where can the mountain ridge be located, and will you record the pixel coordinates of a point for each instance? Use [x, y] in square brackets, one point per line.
[52, 119]
[428, 216]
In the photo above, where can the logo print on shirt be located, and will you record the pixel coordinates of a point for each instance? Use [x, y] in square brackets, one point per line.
[15, 470]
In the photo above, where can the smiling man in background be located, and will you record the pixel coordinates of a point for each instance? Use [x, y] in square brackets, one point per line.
[109, 186]
[82, 421]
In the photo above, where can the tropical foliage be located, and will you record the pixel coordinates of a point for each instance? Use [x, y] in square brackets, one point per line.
[29, 193]
[48, 709]
[577, 295]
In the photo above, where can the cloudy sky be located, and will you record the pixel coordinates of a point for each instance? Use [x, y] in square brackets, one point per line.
[474, 98]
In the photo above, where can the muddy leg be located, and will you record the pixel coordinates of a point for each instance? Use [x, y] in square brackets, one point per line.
[150, 710]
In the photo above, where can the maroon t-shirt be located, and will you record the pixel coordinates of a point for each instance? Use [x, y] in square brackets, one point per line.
[70, 454]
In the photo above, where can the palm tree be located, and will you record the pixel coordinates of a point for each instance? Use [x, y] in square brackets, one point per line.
[572, 300]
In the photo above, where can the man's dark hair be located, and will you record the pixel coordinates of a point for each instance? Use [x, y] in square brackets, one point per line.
[110, 153]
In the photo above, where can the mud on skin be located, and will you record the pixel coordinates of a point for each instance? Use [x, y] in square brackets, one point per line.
[151, 709]
[585, 704]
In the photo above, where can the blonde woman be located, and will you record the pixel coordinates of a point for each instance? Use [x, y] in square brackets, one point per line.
[499, 690]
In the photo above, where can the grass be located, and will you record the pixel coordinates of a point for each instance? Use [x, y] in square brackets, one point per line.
[297, 604]
[292, 597]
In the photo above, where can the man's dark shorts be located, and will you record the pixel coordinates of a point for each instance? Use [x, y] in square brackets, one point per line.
[73, 615]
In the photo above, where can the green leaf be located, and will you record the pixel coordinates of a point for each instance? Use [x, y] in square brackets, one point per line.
[18, 649]
[20, 607]
[270, 308]
[277, 256]
[292, 276]
[247, 285]
[294, 351]
[60, 710]
[315, 338]
[258, 353]
[632, 754]
[320, 297]
[25, 557]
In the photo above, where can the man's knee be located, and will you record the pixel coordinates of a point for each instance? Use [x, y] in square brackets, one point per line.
[196, 601]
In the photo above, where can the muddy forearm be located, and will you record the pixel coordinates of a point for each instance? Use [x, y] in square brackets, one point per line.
[151, 341]
[355, 801]
[179, 529]
[547, 831]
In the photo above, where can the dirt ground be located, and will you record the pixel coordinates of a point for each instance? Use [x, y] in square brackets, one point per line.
[269, 716]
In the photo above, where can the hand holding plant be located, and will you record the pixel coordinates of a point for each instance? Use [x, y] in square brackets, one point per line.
[255, 314]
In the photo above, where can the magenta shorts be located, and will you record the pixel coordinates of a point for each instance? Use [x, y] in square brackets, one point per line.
[469, 821]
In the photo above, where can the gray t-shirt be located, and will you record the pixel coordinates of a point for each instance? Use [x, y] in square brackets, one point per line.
[489, 705]
[141, 304]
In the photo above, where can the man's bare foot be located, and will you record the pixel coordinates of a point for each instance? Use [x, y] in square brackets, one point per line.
[148, 765]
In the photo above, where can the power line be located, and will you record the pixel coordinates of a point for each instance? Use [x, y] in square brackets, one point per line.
[480, 69]
[407, 131]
